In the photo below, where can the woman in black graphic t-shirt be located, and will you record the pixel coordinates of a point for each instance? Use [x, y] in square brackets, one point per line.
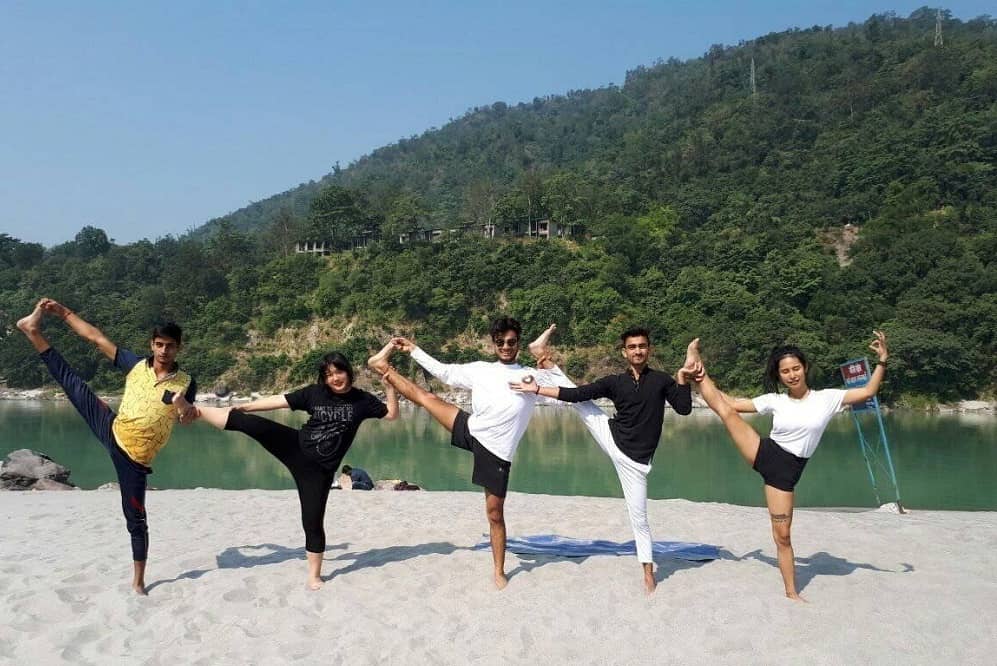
[313, 454]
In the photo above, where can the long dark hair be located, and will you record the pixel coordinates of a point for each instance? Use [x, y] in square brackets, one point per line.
[771, 380]
[336, 360]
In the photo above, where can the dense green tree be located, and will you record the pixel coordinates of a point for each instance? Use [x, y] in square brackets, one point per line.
[337, 215]
[91, 242]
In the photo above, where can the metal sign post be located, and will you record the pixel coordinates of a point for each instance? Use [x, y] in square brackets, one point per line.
[856, 374]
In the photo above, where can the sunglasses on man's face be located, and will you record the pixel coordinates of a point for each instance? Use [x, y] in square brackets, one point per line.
[510, 342]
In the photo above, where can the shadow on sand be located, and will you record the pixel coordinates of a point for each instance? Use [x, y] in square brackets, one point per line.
[378, 557]
[821, 564]
[235, 557]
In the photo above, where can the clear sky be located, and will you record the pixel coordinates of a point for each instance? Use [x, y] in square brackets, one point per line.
[150, 118]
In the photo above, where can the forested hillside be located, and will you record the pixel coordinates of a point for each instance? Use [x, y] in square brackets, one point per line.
[703, 205]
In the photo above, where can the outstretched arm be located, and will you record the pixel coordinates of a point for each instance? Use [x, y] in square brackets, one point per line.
[264, 404]
[453, 374]
[863, 393]
[740, 405]
[693, 372]
[81, 327]
[535, 388]
[598, 389]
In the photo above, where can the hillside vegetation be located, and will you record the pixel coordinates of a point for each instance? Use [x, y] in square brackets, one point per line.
[701, 207]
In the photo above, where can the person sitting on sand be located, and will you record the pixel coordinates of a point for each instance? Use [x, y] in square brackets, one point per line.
[145, 418]
[357, 478]
[799, 417]
[630, 438]
[312, 455]
[498, 418]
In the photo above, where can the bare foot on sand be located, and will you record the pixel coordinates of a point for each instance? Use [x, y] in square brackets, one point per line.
[139, 589]
[540, 348]
[315, 584]
[797, 598]
[379, 361]
[501, 581]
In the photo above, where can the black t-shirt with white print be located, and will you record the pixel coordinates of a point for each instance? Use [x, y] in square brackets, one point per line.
[333, 420]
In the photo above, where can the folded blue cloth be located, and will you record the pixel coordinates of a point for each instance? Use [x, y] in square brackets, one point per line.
[552, 544]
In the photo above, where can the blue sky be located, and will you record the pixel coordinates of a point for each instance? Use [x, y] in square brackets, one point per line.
[150, 118]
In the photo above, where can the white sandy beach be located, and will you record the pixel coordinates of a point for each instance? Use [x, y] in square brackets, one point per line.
[226, 578]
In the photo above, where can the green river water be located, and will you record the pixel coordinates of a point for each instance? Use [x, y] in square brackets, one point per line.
[942, 461]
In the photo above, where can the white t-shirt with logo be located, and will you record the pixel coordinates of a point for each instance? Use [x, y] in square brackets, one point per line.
[797, 425]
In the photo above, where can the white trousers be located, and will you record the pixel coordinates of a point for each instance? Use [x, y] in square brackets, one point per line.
[632, 474]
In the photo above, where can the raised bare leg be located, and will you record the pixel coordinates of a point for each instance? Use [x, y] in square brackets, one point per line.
[216, 416]
[31, 326]
[780, 504]
[494, 508]
[745, 438]
[540, 348]
[441, 410]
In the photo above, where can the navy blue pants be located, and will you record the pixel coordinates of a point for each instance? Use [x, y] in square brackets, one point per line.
[131, 475]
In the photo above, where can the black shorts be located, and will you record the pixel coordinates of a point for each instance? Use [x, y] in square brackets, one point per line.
[490, 471]
[780, 468]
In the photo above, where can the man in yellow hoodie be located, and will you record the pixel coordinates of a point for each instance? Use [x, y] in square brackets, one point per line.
[145, 417]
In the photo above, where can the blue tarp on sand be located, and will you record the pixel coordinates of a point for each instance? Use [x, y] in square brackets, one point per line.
[552, 544]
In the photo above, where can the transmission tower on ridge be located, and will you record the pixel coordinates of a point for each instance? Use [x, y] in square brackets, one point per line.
[938, 28]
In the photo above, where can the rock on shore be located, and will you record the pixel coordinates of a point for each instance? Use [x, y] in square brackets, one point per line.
[25, 469]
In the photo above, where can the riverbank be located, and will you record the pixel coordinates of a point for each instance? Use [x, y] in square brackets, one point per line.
[463, 398]
[226, 579]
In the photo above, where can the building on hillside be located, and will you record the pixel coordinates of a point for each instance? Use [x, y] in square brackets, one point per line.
[313, 247]
[363, 239]
[543, 228]
[425, 232]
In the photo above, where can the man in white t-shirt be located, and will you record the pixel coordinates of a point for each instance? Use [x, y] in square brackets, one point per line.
[498, 417]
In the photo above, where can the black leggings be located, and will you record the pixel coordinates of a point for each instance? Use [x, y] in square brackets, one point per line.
[313, 480]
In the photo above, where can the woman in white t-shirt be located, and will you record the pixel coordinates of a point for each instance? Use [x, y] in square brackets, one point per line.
[799, 417]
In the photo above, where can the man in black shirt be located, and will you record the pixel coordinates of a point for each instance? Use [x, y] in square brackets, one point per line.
[631, 437]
